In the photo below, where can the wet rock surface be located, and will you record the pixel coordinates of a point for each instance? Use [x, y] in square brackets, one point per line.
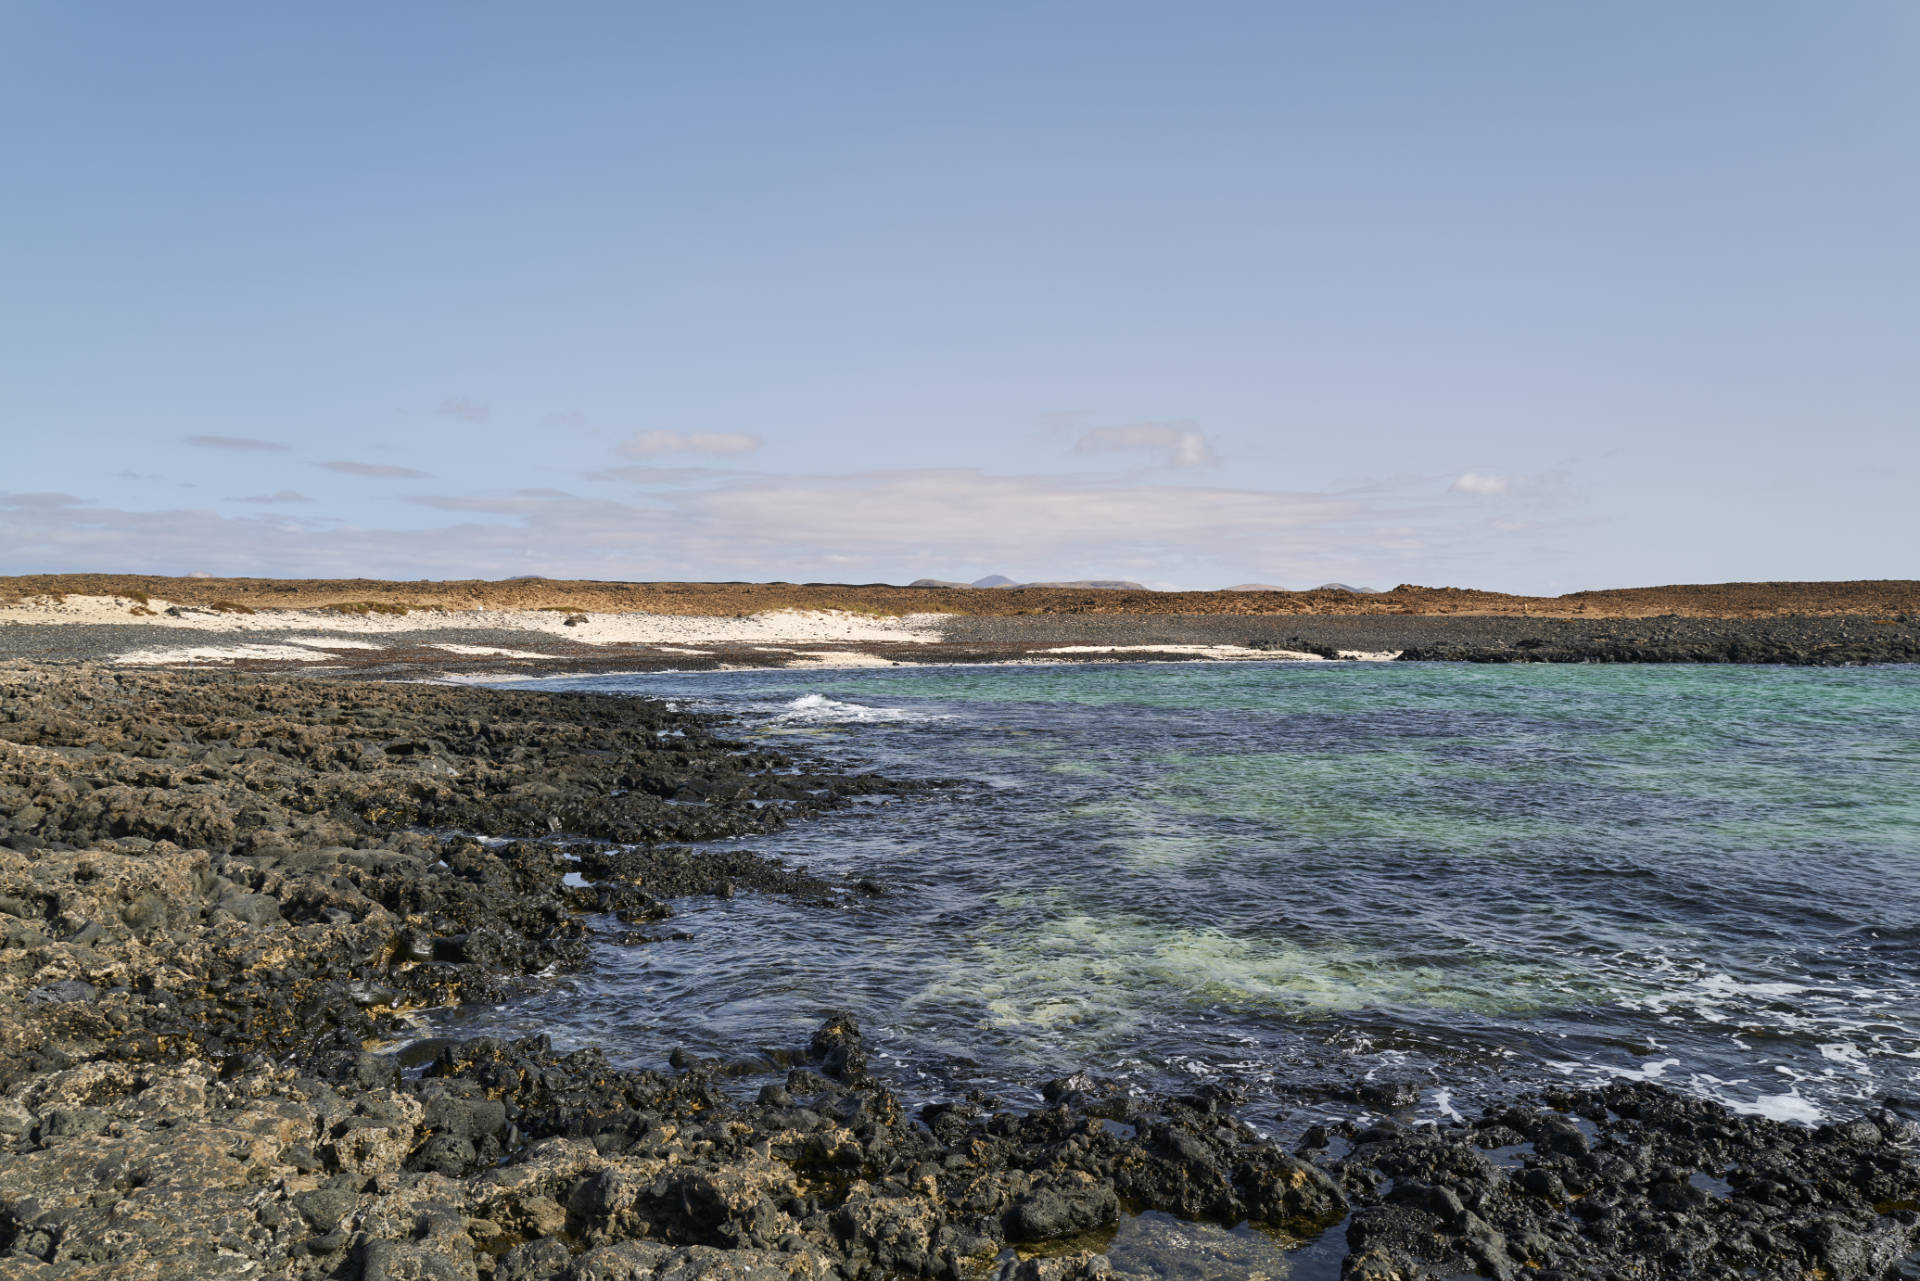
[221, 897]
[1634, 1180]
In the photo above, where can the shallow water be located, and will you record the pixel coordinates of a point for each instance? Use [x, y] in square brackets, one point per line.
[1298, 876]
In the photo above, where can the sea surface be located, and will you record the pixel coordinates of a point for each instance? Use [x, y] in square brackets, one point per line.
[1307, 878]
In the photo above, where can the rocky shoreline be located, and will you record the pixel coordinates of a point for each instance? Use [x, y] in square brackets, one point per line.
[454, 645]
[225, 901]
[1797, 641]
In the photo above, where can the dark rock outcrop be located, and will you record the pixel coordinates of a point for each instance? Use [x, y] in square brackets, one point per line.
[221, 898]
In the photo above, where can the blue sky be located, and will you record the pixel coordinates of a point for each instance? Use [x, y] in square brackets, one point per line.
[1533, 297]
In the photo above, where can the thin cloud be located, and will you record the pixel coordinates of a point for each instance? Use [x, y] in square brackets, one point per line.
[465, 410]
[658, 475]
[41, 501]
[519, 502]
[1481, 484]
[1000, 517]
[382, 471]
[238, 444]
[850, 527]
[1180, 445]
[480, 504]
[280, 496]
[720, 444]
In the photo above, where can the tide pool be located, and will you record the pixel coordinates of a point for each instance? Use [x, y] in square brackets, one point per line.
[1482, 880]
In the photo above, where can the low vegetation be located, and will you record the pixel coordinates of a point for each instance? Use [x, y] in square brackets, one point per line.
[365, 607]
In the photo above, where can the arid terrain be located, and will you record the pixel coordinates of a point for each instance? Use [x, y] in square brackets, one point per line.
[1711, 600]
[540, 627]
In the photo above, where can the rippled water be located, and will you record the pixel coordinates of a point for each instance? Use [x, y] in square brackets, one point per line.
[1479, 879]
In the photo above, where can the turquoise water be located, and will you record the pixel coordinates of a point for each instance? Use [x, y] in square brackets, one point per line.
[1481, 880]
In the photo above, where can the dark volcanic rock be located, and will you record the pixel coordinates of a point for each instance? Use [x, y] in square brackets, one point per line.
[1632, 1180]
[1824, 642]
[1804, 641]
[217, 894]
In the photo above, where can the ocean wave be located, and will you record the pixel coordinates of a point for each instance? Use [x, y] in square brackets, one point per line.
[818, 709]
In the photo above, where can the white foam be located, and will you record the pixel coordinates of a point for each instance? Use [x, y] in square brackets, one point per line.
[1790, 1106]
[1847, 1055]
[1651, 1070]
[818, 709]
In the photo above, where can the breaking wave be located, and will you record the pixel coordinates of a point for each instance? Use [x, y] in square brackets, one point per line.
[818, 709]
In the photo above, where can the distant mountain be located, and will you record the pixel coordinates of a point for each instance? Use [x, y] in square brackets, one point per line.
[1255, 587]
[994, 580]
[936, 582]
[1342, 587]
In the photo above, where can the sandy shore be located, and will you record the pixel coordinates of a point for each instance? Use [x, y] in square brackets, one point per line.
[337, 627]
[156, 631]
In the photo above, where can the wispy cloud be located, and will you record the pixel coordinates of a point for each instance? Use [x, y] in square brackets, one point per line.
[518, 503]
[480, 504]
[1180, 444]
[40, 501]
[848, 526]
[279, 496]
[658, 475]
[238, 444]
[757, 527]
[1481, 484]
[719, 444]
[382, 471]
[465, 410]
